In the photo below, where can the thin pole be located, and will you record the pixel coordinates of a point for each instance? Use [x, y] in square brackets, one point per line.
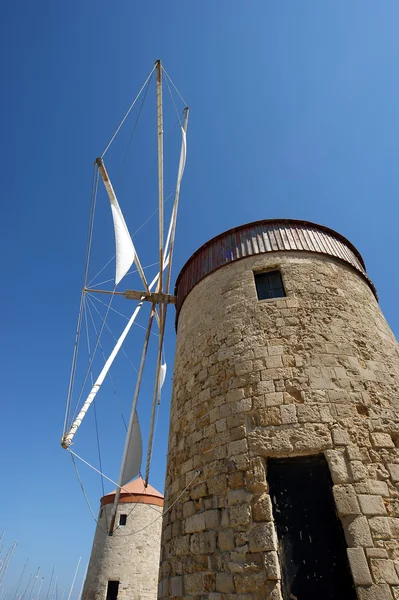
[74, 577]
[160, 170]
[2, 534]
[40, 587]
[83, 582]
[163, 308]
[82, 299]
[176, 205]
[4, 562]
[27, 586]
[55, 586]
[20, 579]
[161, 234]
[49, 585]
[34, 583]
[67, 439]
[7, 561]
[131, 420]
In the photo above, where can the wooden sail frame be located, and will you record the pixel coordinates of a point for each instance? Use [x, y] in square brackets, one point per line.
[159, 299]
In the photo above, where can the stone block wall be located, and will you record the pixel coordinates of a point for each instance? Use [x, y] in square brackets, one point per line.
[316, 371]
[130, 555]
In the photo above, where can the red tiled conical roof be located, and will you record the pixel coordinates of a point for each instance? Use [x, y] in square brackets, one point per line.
[135, 491]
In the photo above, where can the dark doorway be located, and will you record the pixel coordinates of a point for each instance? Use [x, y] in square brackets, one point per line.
[312, 545]
[112, 590]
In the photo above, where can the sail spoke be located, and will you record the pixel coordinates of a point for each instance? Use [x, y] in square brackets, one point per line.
[154, 290]
[131, 431]
[172, 228]
[67, 439]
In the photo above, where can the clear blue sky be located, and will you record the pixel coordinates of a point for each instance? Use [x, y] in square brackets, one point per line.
[294, 113]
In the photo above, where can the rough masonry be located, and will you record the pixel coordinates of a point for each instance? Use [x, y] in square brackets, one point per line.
[130, 556]
[314, 372]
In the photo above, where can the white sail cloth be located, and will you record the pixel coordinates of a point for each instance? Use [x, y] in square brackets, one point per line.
[125, 251]
[134, 450]
[162, 375]
[172, 224]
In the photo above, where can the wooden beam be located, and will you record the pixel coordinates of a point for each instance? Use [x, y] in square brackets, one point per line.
[154, 297]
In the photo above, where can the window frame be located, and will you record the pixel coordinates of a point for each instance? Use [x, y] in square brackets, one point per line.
[268, 272]
[123, 517]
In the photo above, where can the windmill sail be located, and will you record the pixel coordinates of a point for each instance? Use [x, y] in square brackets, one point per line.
[134, 452]
[125, 252]
[126, 255]
[162, 375]
[183, 155]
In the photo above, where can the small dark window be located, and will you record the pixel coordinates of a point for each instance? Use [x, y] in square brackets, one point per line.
[269, 285]
[312, 545]
[112, 590]
[122, 519]
[101, 513]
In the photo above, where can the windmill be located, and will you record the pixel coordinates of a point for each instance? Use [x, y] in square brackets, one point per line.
[153, 292]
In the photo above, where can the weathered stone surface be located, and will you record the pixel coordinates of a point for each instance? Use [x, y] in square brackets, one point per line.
[317, 371]
[199, 491]
[176, 586]
[382, 440]
[372, 504]
[272, 565]
[203, 543]
[182, 545]
[375, 592]
[262, 508]
[226, 540]
[380, 528]
[288, 413]
[339, 466]
[235, 497]
[357, 531]
[137, 569]
[393, 471]
[359, 471]
[240, 516]
[188, 509]
[195, 523]
[256, 475]
[359, 566]
[376, 553]
[225, 583]
[341, 437]
[212, 519]
[384, 571]
[262, 537]
[346, 500]
[193, 583]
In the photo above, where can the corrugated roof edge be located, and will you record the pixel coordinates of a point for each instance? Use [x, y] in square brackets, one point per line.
[297, 222]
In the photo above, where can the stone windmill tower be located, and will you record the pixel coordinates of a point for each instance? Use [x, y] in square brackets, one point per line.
[285, 399]
[125, 564]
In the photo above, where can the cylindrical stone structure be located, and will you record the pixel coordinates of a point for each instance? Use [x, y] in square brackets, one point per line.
[125, 565]
[283, 354]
